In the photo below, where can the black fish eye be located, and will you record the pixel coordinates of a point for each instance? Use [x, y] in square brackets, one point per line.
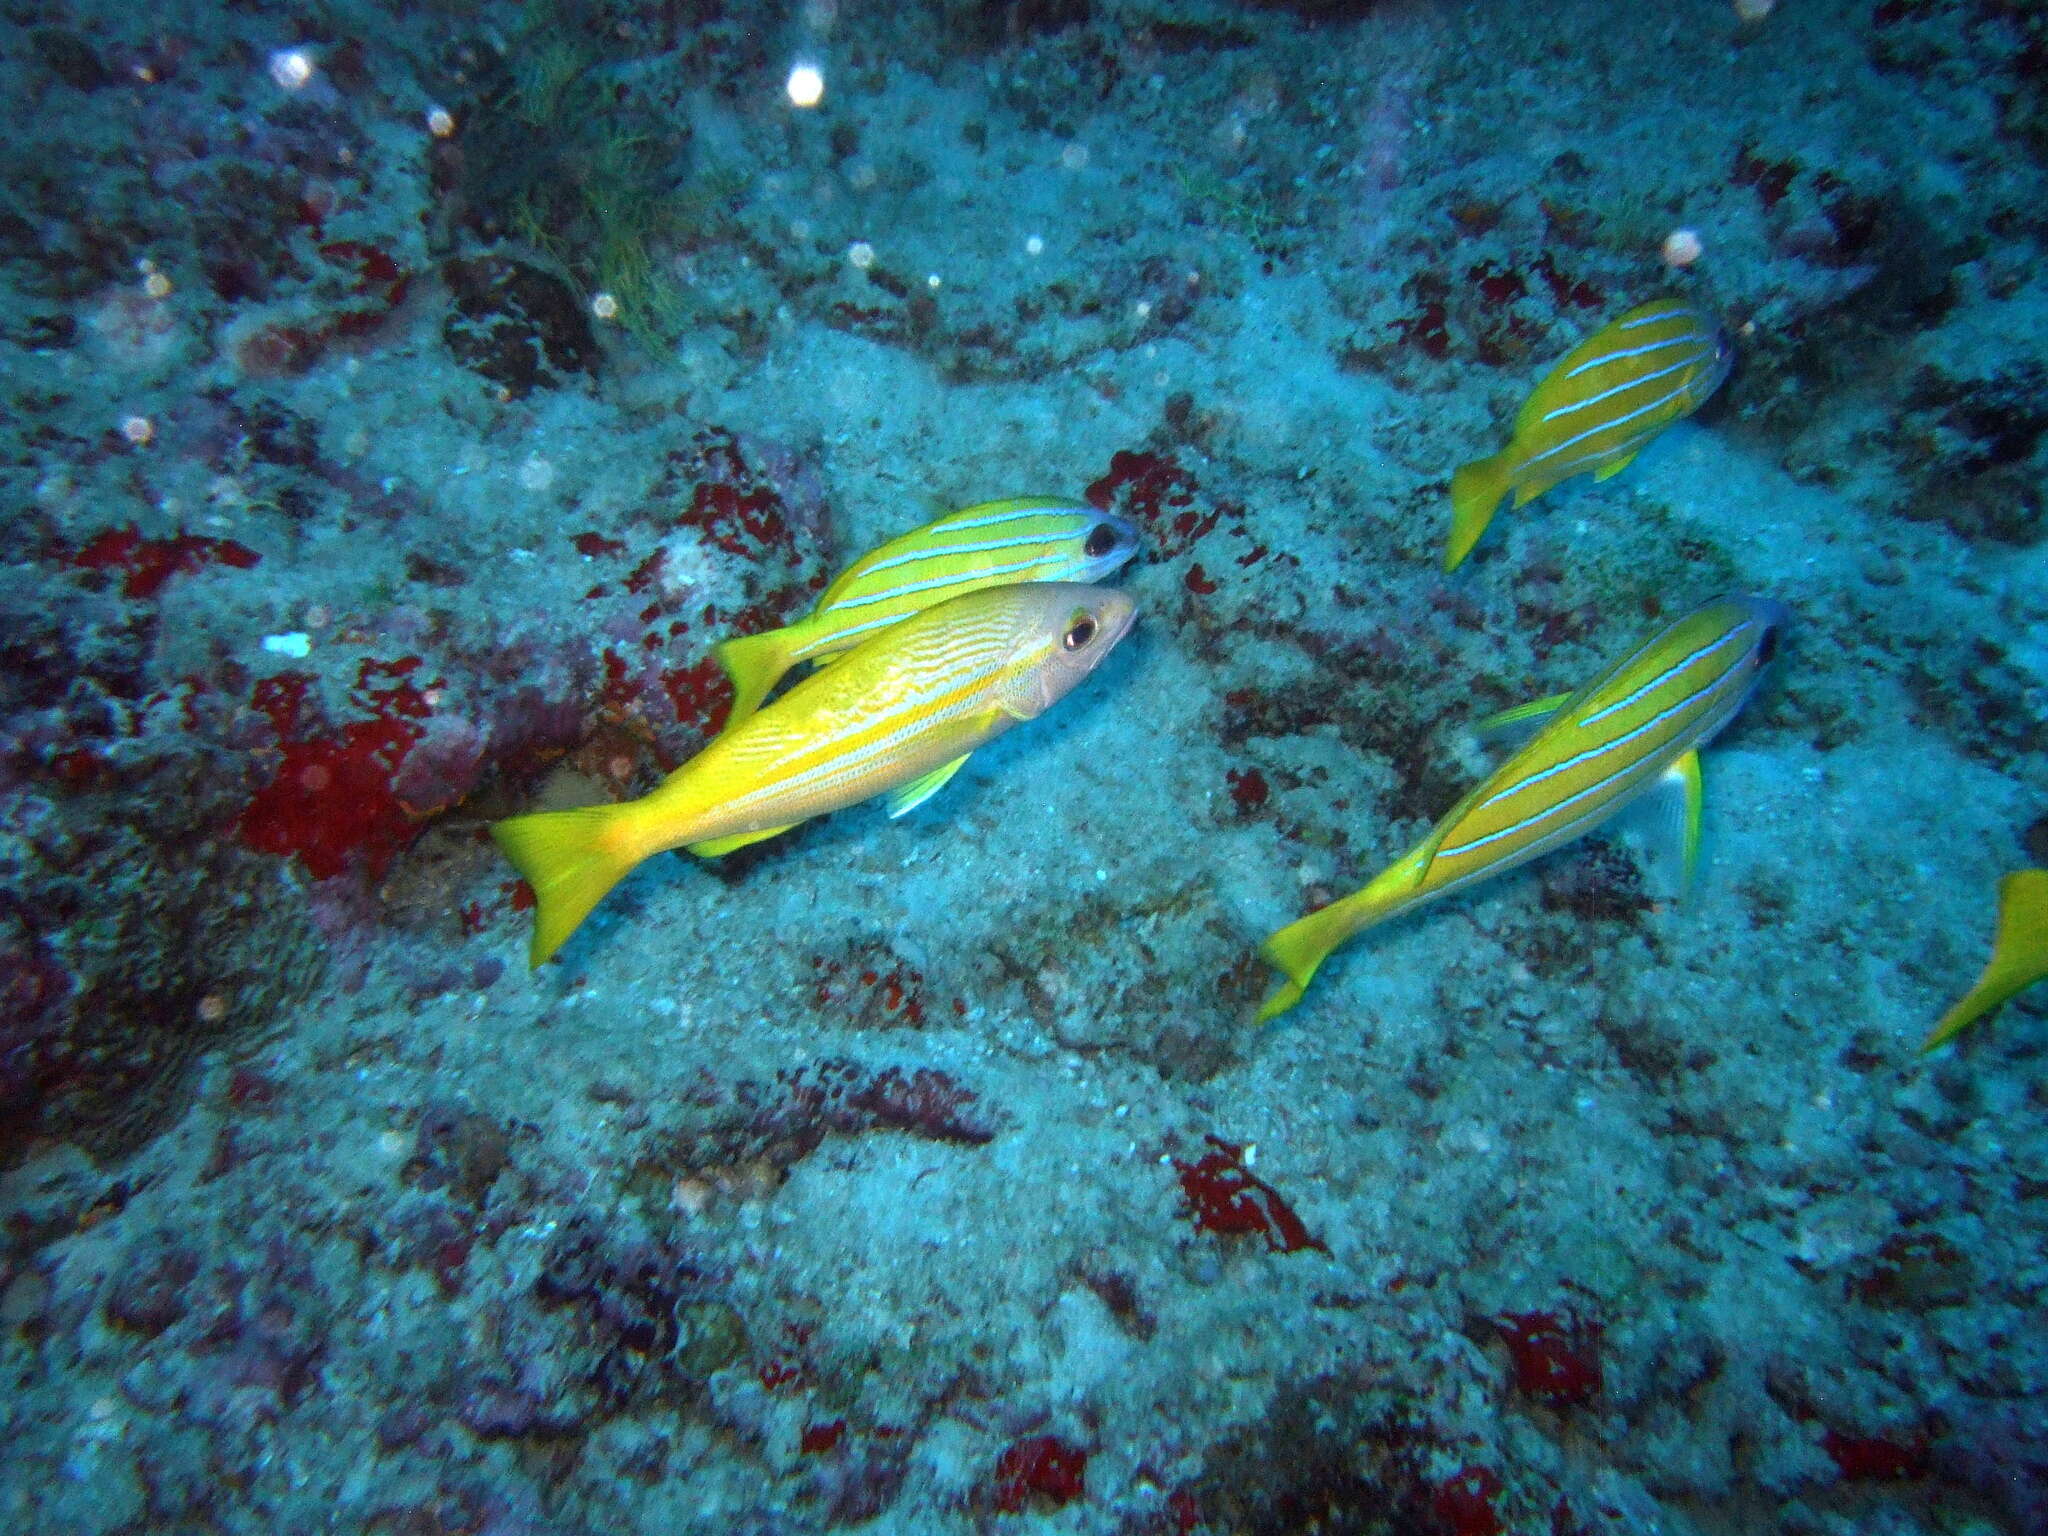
[1101, 540]
[1079, 633]
[1767, 647]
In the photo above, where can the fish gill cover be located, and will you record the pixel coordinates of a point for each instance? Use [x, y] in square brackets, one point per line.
[404, 403]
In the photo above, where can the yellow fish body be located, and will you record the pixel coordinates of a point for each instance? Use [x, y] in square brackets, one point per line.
[898, 715]
[1028, 538]
[2019, 954]
[1643, 718]
[1595, 411]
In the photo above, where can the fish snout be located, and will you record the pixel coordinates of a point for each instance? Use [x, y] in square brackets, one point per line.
[1722, 363]
[1771, 619]
[1114, 613]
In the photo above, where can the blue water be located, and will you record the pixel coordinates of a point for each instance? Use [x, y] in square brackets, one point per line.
[402, 403]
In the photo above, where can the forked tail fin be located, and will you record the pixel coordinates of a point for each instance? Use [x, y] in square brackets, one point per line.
[1476, 492]
[2019, 954]
[1303, 945]
[571, 859]
[1306, 943]
[755, 663]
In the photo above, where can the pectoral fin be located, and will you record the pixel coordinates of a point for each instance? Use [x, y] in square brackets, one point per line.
[908, 797]
[1676, 799]
[717, 847]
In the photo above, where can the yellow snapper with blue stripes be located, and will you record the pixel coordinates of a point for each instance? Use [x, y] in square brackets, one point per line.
[897, 715]
[1595, 411]
[1641, 720]
[1027, 538]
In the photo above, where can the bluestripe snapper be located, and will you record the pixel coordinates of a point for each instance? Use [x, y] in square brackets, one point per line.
[1595, 411]
[1642, 719]
[896, 716]
[2019, 954]
[1027, 538]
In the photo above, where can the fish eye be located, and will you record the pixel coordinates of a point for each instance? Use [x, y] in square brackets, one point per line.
[1767, 647]
[1101, 540]
[1079, 633]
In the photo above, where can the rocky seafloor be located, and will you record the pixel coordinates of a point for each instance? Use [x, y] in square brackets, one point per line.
[930, 1174]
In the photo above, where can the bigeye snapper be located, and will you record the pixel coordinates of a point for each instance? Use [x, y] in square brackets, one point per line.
[2019, 954]
[1643, 719]
[1595, 411]
[1028, 538]
[897, 716]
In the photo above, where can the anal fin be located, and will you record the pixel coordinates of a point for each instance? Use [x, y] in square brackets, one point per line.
[1609, 470]
[718, 846]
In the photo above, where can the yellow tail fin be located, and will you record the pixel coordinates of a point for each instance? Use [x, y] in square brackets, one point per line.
[1303, 945]
[570, 858]
[1476, 491]
[755, 663]
[2019, 954]
[1306, 943]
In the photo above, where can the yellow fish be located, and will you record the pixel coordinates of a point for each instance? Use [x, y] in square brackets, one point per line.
[898, 715]
[1642, 719]
[1028, 538]
[2019, 954]
[1595, 411]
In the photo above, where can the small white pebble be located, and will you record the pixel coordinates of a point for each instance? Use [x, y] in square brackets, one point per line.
[291, 68]
[861, 254]
[297, 643]
[1682, 247]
